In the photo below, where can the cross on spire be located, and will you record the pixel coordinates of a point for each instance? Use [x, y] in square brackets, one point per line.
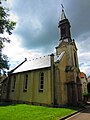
[62, 6]
[64, 26]
[63, 16]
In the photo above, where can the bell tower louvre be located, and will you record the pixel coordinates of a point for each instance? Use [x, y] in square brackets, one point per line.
[64, 26]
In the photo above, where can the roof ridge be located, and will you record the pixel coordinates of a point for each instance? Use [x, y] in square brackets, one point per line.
[38, 57]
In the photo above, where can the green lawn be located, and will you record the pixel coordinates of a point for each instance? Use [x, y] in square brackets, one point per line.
[31, 112]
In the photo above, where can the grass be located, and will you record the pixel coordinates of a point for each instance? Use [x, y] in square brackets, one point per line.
[31, 112]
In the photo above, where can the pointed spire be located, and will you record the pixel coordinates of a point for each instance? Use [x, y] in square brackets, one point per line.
[63, 16]
[64, 26]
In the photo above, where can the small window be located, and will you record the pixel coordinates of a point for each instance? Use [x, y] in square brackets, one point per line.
[75, 60]
[63, 32]
[41, 82]
[25, 83]
[13, 83]
[4, 88]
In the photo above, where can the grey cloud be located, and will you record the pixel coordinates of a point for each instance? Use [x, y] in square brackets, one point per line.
[48, 13]
[45, 13]
[38, 25]
[78, 12]
[84, 43]
[45, 38]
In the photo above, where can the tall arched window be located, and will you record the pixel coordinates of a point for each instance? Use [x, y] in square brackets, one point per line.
[41, 82]
[25, 82]
[75, 60]
[13, 83]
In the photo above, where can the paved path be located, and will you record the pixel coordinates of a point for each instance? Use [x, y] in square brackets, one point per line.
[84, 115]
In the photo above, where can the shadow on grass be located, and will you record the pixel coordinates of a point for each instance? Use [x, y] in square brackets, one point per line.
[78, 107]
[7, 104]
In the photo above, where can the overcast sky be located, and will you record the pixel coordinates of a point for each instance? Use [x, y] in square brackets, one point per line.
[37, 33]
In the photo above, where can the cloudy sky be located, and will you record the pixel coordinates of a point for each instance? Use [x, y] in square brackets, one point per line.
[37, 33]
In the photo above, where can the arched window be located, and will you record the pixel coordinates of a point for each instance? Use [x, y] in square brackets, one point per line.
[63, 32]
[25, 83]
[75, 60]
[41, 82]
[13, 83]
[4, 88]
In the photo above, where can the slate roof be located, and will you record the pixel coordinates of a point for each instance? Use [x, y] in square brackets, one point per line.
[38, 63]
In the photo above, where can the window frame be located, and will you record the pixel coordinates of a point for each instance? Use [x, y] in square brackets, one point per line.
[63, 32]
[41, 81]
[25, 84]
[4, 88]
[13, 83]
[75, 60]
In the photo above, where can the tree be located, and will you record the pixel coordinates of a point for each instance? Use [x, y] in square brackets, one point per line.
[5, 26]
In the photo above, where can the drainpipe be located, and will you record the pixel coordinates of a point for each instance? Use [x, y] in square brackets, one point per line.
[52, 80]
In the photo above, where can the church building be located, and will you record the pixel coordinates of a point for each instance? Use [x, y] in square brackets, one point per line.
[52, 80]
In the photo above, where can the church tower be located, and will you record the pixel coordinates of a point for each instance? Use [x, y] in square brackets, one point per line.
[65, 42]
[70, 67]
[64, 27]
